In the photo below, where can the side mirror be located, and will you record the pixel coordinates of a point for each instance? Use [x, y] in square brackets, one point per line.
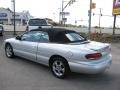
[18, 37]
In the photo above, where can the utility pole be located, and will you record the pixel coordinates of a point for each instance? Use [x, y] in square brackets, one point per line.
[59, 15]
[64, 7]
[90, 14]
[62, 11]
[13, 1]
[100, 19]
[114, 24]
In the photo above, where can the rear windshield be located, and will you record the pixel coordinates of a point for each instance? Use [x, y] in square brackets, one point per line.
[37, 22]
[68, 37]
[75, 37]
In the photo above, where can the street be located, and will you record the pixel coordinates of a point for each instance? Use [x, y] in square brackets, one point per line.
[21, 74]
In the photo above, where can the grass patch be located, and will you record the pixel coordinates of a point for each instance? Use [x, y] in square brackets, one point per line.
[102, 37]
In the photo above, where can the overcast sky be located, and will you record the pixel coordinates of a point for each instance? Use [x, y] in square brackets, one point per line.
[78, 10]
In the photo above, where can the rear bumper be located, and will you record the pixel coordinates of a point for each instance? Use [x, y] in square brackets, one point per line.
[83, 67]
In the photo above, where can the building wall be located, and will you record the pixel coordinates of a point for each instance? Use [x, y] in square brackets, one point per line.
[6, 16]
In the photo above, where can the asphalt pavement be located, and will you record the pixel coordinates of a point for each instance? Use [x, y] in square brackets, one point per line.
[21, 74]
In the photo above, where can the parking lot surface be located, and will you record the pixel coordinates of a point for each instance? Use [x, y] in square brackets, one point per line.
[21, 74]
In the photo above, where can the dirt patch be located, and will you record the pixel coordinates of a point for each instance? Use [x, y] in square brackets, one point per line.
[102, 37]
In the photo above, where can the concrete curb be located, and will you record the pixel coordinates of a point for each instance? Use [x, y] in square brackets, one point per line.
[12, 32]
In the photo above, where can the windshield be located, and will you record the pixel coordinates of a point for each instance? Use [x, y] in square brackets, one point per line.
[37, 22]
[75, 37]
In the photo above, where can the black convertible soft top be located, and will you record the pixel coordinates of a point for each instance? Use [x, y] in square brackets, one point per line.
[56, 34]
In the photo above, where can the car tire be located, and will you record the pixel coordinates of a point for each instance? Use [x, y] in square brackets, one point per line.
[59, 67]
[2, 34]
[9, 51]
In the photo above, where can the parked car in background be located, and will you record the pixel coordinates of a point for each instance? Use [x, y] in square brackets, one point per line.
[62, 50]
[37, 23]
[1, 30]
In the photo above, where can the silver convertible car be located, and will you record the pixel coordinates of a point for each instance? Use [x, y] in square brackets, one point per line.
[62, 50]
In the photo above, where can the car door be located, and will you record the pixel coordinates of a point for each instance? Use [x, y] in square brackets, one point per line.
[27, 46]
[44, 51]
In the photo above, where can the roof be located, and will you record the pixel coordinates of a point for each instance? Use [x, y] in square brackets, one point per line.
[56, 34]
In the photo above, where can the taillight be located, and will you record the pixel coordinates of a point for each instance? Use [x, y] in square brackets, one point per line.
[26, 28]
[94, 56]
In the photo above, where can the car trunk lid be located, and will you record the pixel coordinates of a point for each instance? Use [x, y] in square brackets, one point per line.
[102, 48]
